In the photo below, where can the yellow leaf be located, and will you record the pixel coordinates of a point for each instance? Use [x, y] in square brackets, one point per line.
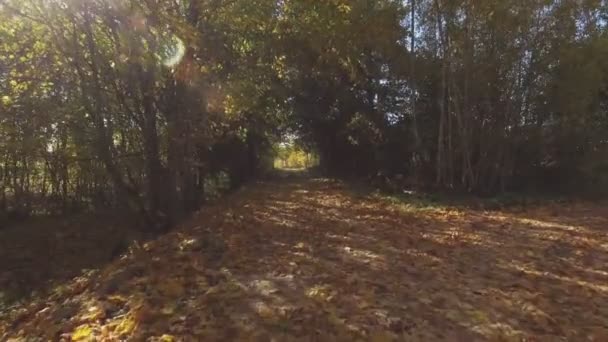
[167, 338]
[321, 293]
[117, 299]
[94, 313]
[125, 327]
[82, 333]
[6, 100]
[344, 8]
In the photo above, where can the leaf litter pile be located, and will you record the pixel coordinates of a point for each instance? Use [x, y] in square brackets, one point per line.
[303, 260]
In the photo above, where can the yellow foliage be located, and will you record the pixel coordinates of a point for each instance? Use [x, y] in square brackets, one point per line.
[6, 100]
[321, 293]
[167, 338]
[95, 313]
[125, 327]
[82, 333]
[344, 8]
[117, 299]
[293, 157]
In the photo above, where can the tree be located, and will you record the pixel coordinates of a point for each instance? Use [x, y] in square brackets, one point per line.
[134, 104]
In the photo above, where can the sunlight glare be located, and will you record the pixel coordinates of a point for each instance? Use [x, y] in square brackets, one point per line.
[175, 52]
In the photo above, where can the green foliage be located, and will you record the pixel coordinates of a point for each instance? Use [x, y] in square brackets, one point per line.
[138, 104]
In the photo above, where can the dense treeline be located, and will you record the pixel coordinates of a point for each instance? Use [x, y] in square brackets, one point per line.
[128, 104]
[142, 104]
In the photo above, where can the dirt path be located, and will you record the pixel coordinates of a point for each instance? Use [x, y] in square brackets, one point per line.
[308, 260]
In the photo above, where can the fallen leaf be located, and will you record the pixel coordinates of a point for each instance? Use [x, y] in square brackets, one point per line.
[82, 333]
[125, 327]
[167, 338]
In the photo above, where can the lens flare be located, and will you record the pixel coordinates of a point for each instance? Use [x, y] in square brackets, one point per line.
[174, 52]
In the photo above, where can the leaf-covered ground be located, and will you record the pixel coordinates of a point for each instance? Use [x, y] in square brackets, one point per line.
[309, 260]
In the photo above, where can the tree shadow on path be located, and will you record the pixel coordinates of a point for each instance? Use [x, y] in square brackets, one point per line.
[309, 260]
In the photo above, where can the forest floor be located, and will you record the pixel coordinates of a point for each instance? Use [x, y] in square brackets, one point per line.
[312, 260]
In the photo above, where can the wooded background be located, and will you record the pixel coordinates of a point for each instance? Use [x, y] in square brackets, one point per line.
[146, 104]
